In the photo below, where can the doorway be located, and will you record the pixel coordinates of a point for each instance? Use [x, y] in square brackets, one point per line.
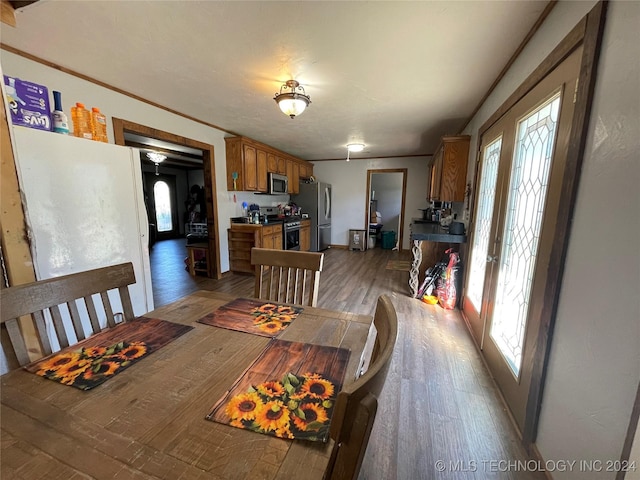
[386, 194]
[162, 205]
[181, 151]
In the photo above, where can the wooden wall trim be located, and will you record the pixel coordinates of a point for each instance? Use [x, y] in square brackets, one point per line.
[545, 13]
[120, 126]
[16, 251]
[8, 13]
[555, 58]
[15, 244]
[592, 39]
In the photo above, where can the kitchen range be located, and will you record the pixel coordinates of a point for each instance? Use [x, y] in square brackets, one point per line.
[290, 225]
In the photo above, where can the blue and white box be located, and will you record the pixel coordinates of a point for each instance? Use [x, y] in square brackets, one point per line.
[28, 103]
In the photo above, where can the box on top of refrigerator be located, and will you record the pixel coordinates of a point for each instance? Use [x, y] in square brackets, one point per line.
[28, 103]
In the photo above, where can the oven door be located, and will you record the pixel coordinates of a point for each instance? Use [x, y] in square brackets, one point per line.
[292, 238]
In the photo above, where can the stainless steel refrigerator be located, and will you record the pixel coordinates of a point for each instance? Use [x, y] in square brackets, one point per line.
[315, 199]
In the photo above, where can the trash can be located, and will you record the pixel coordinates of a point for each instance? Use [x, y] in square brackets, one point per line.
[389, 239]
[357, 239]
[372, 241]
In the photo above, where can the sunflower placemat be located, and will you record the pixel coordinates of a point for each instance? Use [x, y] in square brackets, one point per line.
[288, 392]
[98, 358]
[253, 316]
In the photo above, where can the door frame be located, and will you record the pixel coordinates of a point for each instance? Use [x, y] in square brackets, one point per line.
[587, 33]
[402, 205]
[121, 126]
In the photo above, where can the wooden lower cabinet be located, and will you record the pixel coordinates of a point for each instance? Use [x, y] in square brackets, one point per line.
[305, 235]
[272, 236]
[243, 237]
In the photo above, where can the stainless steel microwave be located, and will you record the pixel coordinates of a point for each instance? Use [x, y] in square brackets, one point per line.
[278, 184]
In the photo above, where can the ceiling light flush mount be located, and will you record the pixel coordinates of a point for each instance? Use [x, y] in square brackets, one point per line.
[156, 158]
[354, 147]
[290, 100]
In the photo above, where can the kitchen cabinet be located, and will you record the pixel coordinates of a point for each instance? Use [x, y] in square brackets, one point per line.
[244, 236]
[282, 165]
[305, 235]
[251, 162]
[272, 236]
[293, 174]
[272, 163]
[261, 170]
[242, 162]
[449, 169]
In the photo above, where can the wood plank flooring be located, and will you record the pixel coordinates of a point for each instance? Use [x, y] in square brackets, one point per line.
[439, 415]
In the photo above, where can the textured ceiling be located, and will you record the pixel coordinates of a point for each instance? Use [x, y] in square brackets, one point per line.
[392, 75]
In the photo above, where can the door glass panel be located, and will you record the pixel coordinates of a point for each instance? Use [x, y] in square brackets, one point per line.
[486, 197]
[525, 206]
[164, 222]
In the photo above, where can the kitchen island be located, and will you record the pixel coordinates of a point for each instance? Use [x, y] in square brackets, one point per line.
[429, 243]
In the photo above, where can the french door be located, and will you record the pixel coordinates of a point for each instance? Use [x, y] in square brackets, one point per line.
[522, 162]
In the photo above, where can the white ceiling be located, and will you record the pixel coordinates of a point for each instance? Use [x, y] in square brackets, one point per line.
[394, 75]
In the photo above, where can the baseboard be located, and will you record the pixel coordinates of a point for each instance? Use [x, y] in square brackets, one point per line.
[536, 453]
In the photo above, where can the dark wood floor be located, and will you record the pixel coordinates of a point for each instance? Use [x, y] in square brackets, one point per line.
[439, 415]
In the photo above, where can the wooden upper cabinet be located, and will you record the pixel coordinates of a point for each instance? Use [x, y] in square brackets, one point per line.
[252, 161]
[272, 163]
[282, 165]
[449, 169]
[250, 167]
[261, 170]
[293, 174]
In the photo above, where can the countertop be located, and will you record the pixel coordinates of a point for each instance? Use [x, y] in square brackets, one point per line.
[434, 232]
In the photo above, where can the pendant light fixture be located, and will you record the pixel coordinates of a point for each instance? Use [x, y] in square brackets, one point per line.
[354, 147]
[156, 158]
[292, 98]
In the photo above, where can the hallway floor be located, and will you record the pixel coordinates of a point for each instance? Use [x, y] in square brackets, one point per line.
[440, 415]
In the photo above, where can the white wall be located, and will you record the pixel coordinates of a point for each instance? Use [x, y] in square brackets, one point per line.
[594, 364]
[349, 190]
[114, 104]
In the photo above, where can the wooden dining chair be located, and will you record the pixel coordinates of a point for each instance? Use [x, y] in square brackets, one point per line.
[356, 404]
[287, 276]
[50, 295]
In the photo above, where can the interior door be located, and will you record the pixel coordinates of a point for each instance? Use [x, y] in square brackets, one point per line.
[523, 160]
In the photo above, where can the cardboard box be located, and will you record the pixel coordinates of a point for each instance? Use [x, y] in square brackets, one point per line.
[28, 103]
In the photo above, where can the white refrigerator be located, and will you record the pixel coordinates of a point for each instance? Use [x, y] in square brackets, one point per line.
[84, 207]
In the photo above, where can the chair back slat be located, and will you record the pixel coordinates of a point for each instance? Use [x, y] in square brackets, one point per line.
[76, 320]
[111, 321]
[15, 336]
[356, 404]
[93, 314]
[287, 276]
[41, 328]
[33, 299]
[58, 325]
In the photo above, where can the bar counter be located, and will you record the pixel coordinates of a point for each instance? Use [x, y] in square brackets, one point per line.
[429, 242]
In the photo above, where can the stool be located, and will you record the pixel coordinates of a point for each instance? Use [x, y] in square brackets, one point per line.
[203, 249]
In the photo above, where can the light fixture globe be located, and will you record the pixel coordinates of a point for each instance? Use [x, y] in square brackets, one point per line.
[156, 158]
[355, 147]
[290, 100]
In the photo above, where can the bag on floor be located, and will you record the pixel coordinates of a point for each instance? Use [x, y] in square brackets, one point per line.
[446, 290]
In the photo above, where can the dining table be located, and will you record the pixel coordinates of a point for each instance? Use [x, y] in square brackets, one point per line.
[149, 421]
